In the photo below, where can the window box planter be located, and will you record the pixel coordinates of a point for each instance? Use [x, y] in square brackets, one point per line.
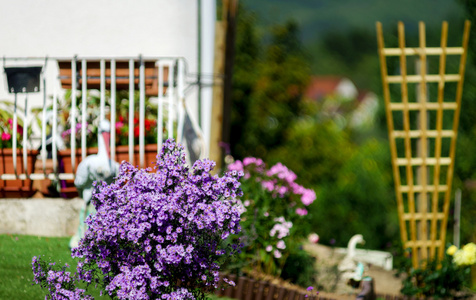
[68, 190]
[16, 188]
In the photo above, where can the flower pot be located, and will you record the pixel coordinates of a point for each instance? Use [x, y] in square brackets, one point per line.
[67, 188]
[16, 188]
[150, 154]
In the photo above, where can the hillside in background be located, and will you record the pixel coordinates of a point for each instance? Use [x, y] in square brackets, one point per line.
[316, 17]
[340, 36]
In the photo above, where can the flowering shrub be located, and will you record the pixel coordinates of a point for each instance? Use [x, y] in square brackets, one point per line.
[156, 235]
[273, 204]
[442, 280]
[6, 125]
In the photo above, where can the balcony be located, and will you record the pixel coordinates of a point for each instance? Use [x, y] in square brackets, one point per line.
[148, 87]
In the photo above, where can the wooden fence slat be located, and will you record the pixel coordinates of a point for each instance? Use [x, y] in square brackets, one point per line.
[271, 292]
[240, 287]
[281, 293]
[250, 290]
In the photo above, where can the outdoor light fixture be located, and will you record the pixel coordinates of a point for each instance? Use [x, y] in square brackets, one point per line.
[23, 79]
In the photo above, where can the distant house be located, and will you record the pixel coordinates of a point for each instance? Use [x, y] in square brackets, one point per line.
[364, 115]
[343, 101]
[328, 86]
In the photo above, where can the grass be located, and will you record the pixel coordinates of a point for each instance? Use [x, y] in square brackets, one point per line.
[16, 252]
[16, 276]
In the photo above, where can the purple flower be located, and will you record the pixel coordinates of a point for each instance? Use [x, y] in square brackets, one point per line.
[153, 230]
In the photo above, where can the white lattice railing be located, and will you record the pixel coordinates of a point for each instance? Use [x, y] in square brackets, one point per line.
[163, 78]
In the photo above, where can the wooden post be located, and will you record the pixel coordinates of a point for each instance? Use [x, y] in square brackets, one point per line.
[217, 106]
[221, 106]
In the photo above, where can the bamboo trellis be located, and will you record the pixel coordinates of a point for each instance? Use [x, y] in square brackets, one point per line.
[422, 150]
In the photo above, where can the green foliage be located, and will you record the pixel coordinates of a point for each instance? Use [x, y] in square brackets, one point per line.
[361, 199]
[267, 89]
[316, 150]
[435, 280]
[299, 268]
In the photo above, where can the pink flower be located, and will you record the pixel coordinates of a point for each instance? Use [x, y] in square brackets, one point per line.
[253, 160]
[308, 197]
[282, 190]
[249, 160]
[237, 165]
[281, 245]
[282, 172]
[119, 125]
[277, 254]
[268, 185]
[301, 211]
[269, 248]
[6, 136]
[313, 238]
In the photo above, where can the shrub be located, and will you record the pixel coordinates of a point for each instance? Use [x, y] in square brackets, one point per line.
[441, 280]
[154, 235]
[273, 204]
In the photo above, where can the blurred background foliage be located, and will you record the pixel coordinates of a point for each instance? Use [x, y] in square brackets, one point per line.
[348, 167]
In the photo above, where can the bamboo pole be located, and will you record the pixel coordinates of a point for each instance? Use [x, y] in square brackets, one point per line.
[407, 141]
[459, 94]
[439, 127]
[393, 148]
[422, 178]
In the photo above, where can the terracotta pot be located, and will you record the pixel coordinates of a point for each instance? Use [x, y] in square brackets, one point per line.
[16, 188]
[150, 155]
[68, 190]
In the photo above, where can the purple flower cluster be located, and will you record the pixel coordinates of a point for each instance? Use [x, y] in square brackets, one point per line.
[163, 234]
[59, 283]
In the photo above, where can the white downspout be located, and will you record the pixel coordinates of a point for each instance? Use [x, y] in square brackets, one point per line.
[207, 51]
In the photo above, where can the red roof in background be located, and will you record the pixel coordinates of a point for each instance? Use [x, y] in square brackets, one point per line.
[321, 86]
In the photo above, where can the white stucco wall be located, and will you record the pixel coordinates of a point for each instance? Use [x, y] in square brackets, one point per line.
[96, 28]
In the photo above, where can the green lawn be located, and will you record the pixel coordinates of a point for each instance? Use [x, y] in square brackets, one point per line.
[16, 251]
[16, 276]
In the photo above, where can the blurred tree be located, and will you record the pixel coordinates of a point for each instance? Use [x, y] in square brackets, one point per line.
[362, 199]
[268, 91]
[245, 75]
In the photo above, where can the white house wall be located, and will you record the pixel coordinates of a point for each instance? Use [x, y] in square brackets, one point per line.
[59, 28]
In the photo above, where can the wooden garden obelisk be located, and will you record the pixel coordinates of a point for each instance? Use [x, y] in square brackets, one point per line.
[422, 145]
